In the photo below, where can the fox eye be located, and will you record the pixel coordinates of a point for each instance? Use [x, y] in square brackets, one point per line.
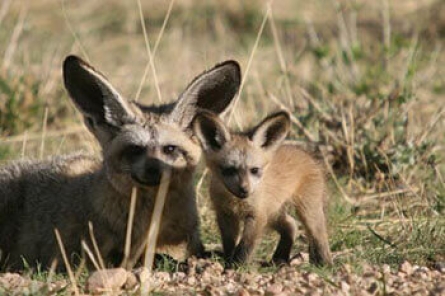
[229, 171]
[169, 149]
[255, 171]
[132, 151]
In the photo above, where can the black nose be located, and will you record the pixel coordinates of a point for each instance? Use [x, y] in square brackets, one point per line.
[243, 192]
[152, 172]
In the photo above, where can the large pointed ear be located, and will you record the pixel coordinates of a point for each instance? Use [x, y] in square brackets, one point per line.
[271, 132]
[213, 90]
[93, 95]
[210, 130]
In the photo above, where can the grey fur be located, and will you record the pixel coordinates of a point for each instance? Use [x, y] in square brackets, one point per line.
[67, 192]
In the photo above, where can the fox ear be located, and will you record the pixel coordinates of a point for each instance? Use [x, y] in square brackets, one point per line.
[210, 130]
[271, 131]
[213, 90]
[93, 95]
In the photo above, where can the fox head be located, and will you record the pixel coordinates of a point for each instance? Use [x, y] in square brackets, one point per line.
[140, 142]
[239, 160]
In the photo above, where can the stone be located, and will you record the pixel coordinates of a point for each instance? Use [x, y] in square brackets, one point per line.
[12, 281]
[440, 266]
[242, 292]
[106, 280]
[274, 289]
[406, 267]
[131, 281]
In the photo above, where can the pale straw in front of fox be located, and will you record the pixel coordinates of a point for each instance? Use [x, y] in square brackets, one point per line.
[254, 177]
[139, 143]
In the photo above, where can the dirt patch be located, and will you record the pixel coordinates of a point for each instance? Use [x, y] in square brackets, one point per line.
[208, 277]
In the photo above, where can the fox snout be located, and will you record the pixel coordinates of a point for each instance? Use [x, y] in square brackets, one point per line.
[148, 172]
[243, 192]
[241, 189]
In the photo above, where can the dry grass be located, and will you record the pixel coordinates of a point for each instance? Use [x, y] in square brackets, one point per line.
[363, 80]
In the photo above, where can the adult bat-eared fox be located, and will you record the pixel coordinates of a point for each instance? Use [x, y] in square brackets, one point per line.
[138, 144]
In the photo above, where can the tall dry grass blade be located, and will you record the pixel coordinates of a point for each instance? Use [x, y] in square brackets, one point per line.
[155, 48]
[353, 27]
[67, 263]
[80, 268]
[390, 183]
[73, 32]
[348, 132]
[95, 245]
[281, 60]
[314, 40]
[277, 44]
[261, 106]
[164, 24]
[90, 255]
[154, 228]
[132, 209]
[42, 143]
[345, 42]
[249, 63]
[49, 134]
[149, 53]
[431, 126]
[295, 120]
[335, 179]
[4, 9]
[351, 143]
[386, 33]
[433, 67]
[25, 141]
[13, 43]
[201, 182]
[377, 196]
[141, 84]
[409, 59]
[62, 142]
[51, 272]
[325, 116]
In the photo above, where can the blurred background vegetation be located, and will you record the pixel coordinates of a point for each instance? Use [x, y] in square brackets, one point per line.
[364, 81]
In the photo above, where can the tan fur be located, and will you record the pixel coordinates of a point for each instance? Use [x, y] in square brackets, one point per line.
[138, 144]
[289, 176]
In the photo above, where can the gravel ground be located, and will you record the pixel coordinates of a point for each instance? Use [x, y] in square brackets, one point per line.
[207, 277]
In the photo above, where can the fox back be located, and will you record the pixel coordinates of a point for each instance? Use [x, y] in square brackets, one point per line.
[139, 143]
[255, 177]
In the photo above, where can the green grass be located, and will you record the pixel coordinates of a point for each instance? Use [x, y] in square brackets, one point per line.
[419, 240]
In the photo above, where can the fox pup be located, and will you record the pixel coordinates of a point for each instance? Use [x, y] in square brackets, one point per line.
[254, 177]
[138, 144]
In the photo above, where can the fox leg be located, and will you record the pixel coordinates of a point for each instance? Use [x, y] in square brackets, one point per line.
[286, 228]
[229, 228]
[195, 247]
[253, 228]
[312, 215]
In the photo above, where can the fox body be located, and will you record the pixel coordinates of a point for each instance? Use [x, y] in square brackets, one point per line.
[254, 179]
[139, 143]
